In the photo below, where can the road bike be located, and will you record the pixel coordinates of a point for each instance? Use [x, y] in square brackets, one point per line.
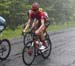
[31, 47]
[5, 46]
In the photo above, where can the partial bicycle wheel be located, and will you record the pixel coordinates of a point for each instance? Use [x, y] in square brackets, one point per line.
[28, 53]
[5, 49]
[27, 37]
[46, 53]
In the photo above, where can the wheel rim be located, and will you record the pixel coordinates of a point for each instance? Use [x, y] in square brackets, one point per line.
[47, 53]
[4, 49]
[28, 58]
[48, 47]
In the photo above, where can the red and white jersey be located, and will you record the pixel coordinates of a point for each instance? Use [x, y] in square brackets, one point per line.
[38, 16]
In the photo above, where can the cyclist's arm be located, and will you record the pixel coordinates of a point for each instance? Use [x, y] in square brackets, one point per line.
[47, 17]
[42, 24]
[27, 25]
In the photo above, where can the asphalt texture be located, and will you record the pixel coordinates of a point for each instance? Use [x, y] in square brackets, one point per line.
[62, 54]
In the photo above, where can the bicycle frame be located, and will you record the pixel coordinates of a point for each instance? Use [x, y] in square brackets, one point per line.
[32, 48]
[37, 38]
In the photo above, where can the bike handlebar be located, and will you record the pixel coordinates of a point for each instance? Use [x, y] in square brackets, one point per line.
[30, 31]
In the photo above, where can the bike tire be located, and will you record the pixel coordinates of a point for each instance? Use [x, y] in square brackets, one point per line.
[49, 45]
[27, 37]
[23, 54]
[8, 43]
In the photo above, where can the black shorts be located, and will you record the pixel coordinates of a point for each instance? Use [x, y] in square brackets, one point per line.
[47, 23]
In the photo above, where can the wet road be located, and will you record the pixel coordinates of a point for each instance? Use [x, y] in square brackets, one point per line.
[63, 51]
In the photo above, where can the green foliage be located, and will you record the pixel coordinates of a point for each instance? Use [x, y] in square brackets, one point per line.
[15, 11]
[8, 33]
[4, 6]
[58, 10]
[61, 10]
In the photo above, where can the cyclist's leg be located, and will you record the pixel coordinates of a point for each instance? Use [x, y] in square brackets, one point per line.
[40, 33]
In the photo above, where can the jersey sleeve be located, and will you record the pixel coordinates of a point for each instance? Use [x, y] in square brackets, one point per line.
[46, 14]
[30, 16]
[42, 15]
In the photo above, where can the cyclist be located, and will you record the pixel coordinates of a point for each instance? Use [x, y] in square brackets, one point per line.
[41, 10]
[29, 11]
[46, 16]
[2, 23]
[39, 23]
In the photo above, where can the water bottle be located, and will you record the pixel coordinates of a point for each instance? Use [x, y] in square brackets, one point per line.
[40, 43]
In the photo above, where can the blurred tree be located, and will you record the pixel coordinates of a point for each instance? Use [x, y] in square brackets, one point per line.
[15, 11]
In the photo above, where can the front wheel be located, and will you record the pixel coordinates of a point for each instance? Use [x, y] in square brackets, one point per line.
[5, 49]
[27, 37]
[28, 53]
[46, 53]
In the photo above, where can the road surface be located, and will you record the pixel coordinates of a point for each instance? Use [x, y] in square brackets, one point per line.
[63, 51]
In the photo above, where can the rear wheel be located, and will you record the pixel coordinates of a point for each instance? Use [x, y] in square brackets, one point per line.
[46, 53]
[5, 49]
[28, 53]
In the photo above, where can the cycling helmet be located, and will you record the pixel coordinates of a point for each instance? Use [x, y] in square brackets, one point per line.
[2, 20]
[2, 24]
[35, 6]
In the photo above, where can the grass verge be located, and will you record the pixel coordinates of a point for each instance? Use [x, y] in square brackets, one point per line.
[8, 33]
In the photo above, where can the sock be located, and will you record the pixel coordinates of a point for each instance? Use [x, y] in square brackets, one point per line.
[43, 42]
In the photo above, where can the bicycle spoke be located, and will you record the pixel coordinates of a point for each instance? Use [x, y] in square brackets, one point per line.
[28, 53]
[46, 52]
[5, 49]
